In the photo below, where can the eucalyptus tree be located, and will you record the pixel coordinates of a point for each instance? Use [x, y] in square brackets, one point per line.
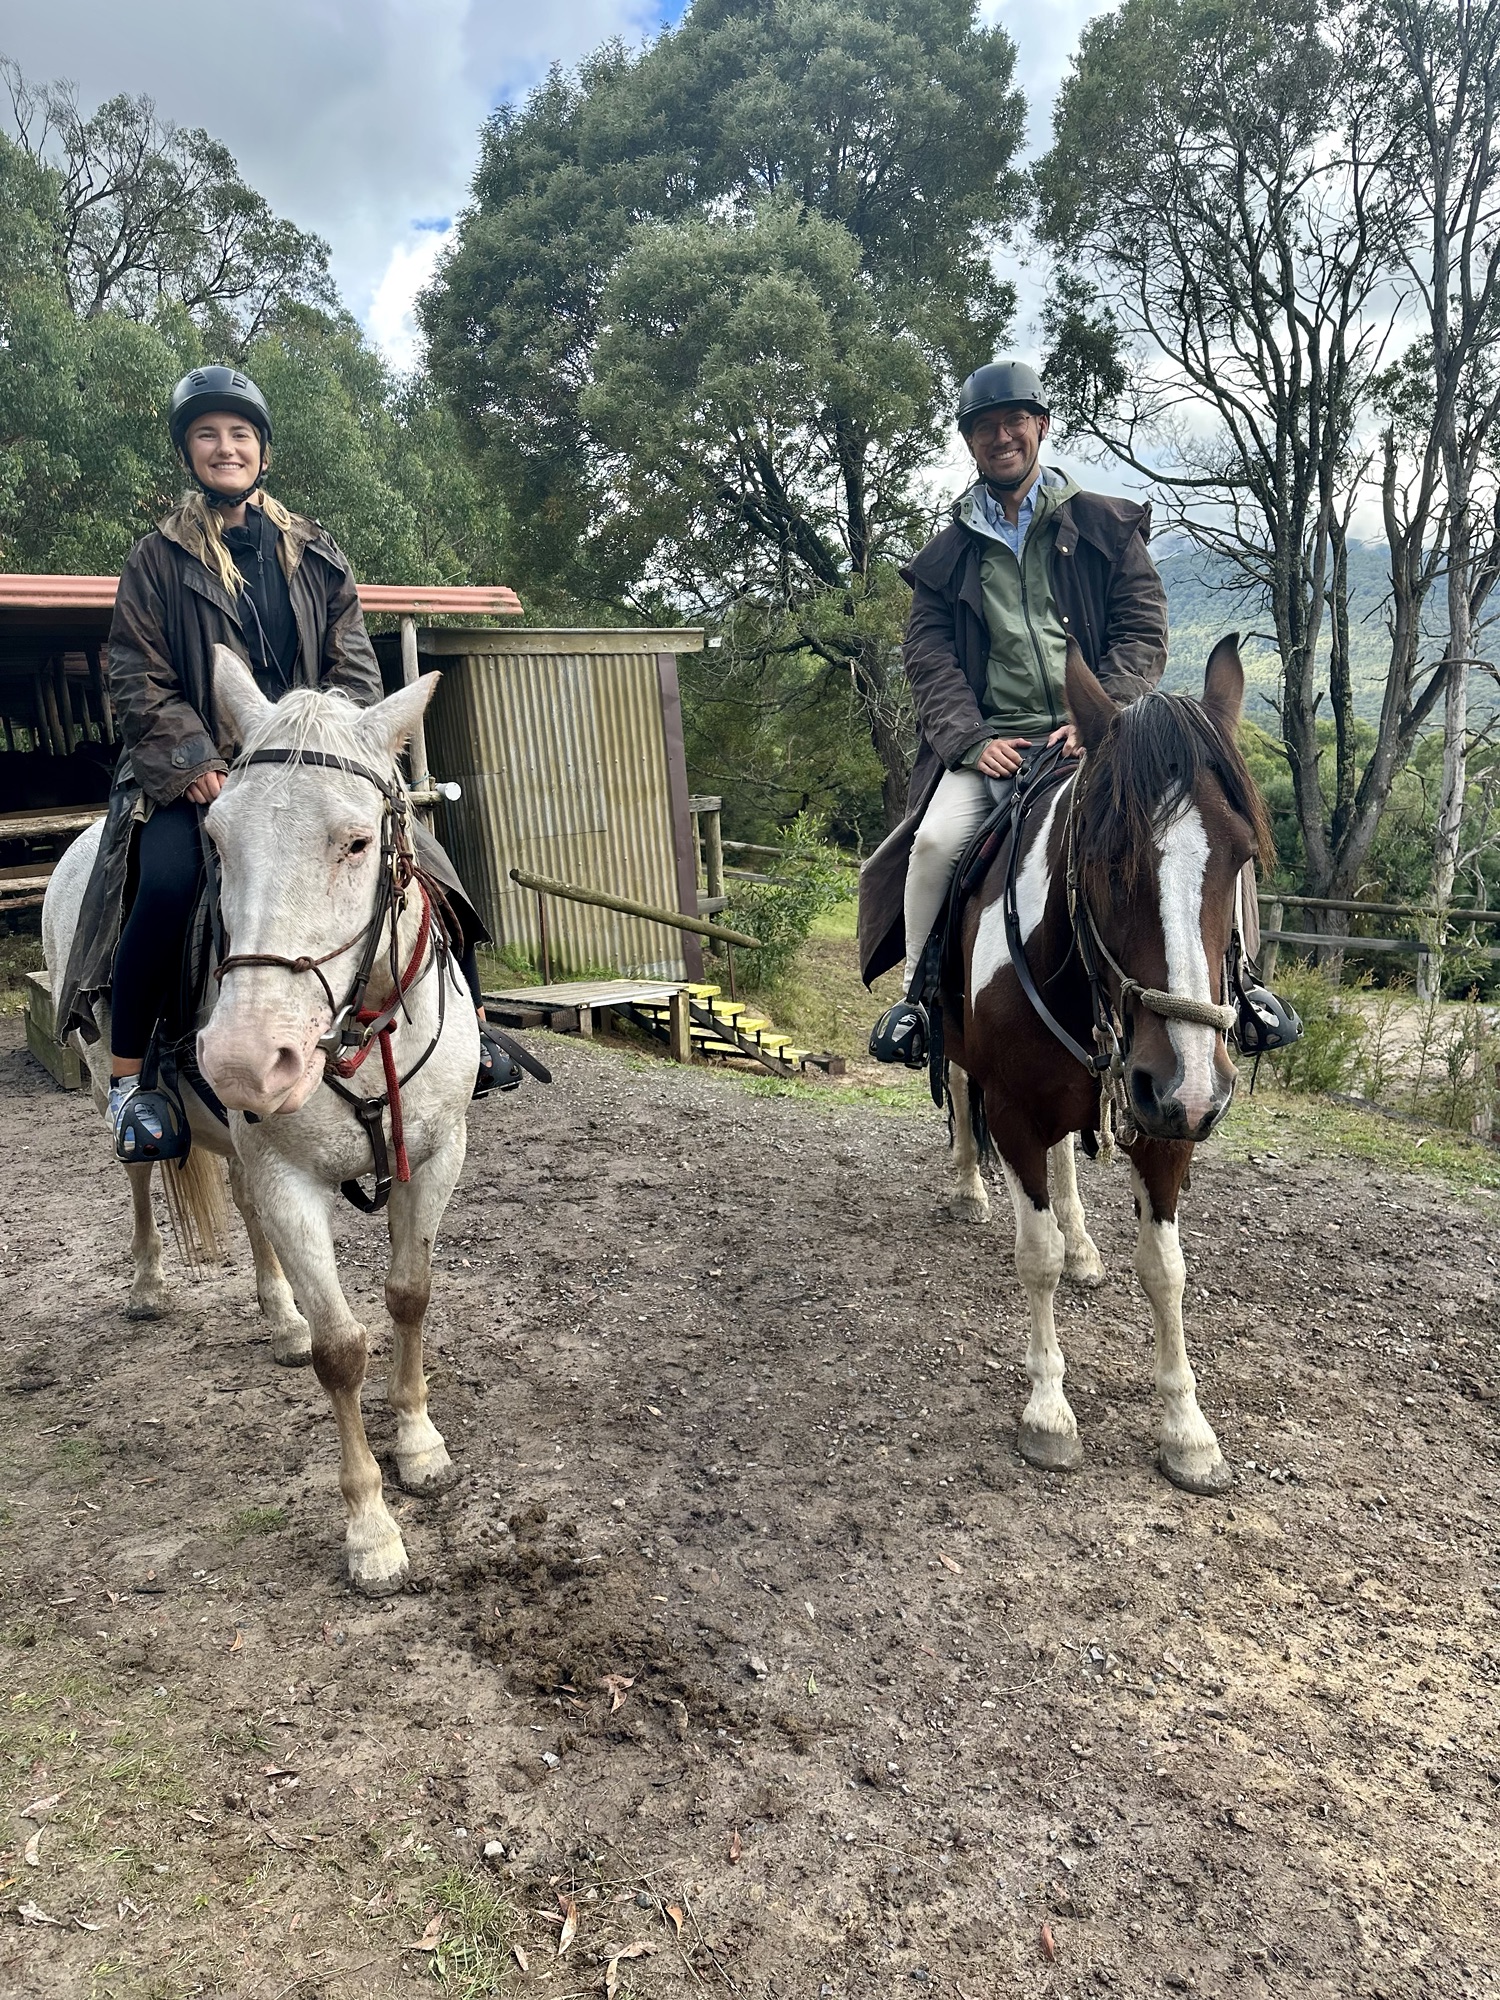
[706, 314]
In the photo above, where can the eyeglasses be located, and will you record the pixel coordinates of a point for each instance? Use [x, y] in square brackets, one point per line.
[1013, 423]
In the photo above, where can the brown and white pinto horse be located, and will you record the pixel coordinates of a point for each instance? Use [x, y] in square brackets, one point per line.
[1129, 867]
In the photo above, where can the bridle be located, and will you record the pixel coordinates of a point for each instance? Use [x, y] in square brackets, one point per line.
[1112, 1024]
[356, 1028]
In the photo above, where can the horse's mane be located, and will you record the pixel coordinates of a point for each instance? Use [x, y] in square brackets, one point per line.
[1154, 753]
[314, 719]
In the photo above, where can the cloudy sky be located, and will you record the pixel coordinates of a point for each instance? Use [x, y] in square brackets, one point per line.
[359, 118]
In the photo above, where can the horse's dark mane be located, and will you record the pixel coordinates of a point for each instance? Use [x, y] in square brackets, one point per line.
[1154, 754]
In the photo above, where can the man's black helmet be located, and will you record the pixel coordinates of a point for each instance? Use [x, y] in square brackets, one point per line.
[207, 389]
[998, 383]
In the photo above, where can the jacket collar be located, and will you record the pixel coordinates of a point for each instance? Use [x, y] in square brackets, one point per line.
[296, 539]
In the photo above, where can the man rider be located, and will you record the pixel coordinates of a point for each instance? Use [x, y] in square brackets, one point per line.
[1028, 560]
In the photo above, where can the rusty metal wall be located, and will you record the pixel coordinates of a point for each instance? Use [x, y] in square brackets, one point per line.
[557, 739]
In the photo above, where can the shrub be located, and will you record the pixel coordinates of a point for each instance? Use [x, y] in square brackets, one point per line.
[1333, 1034]
[811, 877]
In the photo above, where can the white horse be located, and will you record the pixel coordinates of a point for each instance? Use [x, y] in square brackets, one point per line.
[309, 834]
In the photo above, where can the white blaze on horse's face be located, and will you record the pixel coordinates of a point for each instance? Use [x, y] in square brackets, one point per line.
[1182, 867]
[299, 850]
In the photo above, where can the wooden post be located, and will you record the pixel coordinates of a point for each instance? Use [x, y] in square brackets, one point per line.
[698, 876]
[101, 693]
[64, 702]
[715, 857]
[541, 925]
[586, 1023]
[410, 672]
[680, 1026]
[1270, 950]
[59, 743]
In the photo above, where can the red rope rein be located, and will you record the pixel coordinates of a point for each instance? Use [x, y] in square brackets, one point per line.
[347, 1065]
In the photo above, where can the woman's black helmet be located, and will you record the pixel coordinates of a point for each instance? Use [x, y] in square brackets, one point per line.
[999, 383]
[207, 389]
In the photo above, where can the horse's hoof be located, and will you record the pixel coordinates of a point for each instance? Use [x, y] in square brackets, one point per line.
[1050, 1451]
[292, 1348]
[427, 1473]
[969, 1208]
[1193, 1474]
[379, 1572]
[1085, 1271]
[148, 1308]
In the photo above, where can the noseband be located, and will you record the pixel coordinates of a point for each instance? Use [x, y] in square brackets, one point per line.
[355, 1027]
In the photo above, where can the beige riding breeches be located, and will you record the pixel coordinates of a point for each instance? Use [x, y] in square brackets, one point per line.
[959, 805]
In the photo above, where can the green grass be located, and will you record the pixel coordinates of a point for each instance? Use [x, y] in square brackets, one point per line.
[255, 1521]
[1275, 1121]
[20, 953]
[473, 1952]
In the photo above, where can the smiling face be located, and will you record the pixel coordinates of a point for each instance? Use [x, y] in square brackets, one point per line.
[1004, 444]
[225, 451]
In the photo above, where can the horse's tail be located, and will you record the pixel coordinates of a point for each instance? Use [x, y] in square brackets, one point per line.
[198, 1207]
[979, 1123]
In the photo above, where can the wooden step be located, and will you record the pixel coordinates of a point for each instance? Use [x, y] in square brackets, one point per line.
[752, 1024]
[775, 1043]
[704, 992]
[726, 1010]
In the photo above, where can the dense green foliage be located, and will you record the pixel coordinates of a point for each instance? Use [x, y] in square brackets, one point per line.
[86, 367]
[705, 322]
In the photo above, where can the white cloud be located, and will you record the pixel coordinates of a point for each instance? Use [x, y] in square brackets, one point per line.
[352, 117]
[391, 321]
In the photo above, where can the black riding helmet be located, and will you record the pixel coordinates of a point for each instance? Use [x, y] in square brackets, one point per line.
[209, 389]
[999, 383]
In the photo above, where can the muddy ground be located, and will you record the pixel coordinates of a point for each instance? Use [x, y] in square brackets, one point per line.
[747, 1637]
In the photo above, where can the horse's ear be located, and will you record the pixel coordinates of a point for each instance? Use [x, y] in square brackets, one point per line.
[1224, 684]
[389, 724]
[236, 697]
[1090, 707]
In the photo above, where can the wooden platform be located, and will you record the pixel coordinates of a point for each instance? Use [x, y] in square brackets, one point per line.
[685, 1017]
[63, 1064]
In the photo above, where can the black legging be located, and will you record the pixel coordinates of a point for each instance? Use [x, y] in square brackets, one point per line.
[148, 960]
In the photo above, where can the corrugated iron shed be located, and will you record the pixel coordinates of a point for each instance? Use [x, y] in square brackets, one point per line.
[568, 747]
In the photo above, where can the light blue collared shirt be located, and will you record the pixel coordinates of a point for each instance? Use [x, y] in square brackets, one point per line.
[994, 513]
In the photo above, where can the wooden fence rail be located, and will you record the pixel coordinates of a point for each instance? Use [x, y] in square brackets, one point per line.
[1275, 904]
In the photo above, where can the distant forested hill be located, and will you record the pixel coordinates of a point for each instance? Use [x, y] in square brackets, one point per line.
[1201, 610]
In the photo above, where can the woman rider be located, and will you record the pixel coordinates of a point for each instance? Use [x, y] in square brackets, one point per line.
[231, 566]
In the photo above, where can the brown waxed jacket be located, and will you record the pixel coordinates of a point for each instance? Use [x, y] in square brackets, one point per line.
[171, 610]
[1111, 600]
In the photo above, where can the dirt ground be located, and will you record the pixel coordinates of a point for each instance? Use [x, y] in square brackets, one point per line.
[747, 1642]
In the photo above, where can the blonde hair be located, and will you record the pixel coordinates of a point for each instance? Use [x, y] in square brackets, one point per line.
[203, 534]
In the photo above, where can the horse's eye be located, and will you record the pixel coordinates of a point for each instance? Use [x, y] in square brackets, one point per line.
[359, 843]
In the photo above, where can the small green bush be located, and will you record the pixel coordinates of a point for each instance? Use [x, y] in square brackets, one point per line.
[811, 877]
[1333, 1035]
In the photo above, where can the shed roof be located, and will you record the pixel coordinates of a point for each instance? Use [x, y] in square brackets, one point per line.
[76, 610]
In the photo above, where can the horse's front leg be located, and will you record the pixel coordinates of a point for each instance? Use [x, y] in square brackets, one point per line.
[148, 1288]
[1189, 1452]
[295, 1212]
[971, 1199]
[291, 1339]
[1082, 1264]
[1048, 1434]
[416, 1210]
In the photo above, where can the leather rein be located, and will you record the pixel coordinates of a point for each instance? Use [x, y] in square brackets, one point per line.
[1112, 1025]
[357, 1027]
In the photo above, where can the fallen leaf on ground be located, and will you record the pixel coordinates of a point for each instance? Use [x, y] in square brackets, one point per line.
[1046, 1945]
[518, 1951]
[929, 1651]
[30, 1852]
[735, 1850]
[812, 1683]
[237, 1644]
[570, 1924]
[30, 1914]
[40, 1806]
[612, 1970]
[676, 1918]
[616, 1687]
[949, 1563]
[428, 1940]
